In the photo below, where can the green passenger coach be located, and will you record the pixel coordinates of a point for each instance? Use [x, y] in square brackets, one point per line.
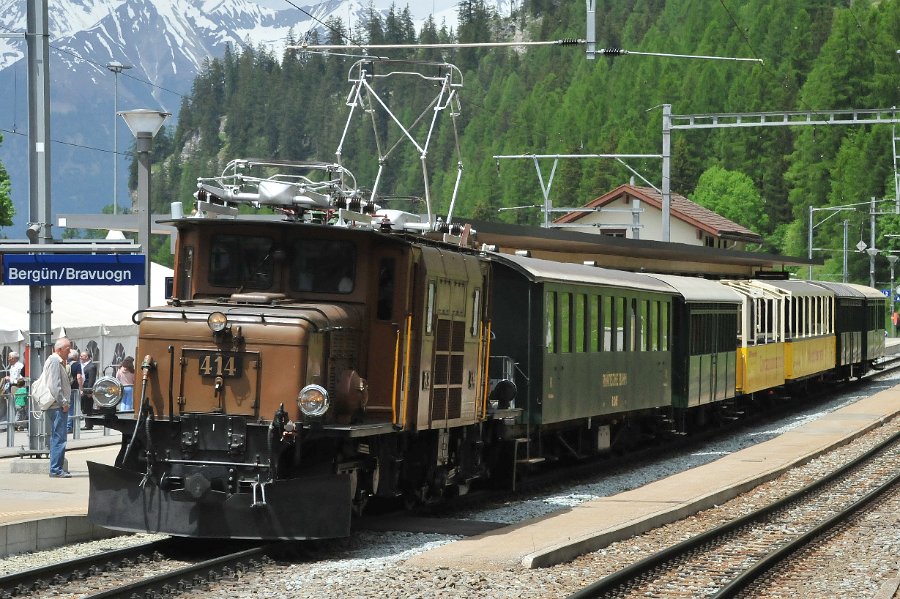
[705, 319]
[589, 342]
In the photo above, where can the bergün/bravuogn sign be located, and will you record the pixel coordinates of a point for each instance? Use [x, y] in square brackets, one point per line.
[73, 269]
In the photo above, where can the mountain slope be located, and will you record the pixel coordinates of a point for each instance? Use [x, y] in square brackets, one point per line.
[165, 41]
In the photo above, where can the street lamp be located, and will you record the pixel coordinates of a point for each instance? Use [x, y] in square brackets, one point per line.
[872, 253]
[116, 67]
[144, 124]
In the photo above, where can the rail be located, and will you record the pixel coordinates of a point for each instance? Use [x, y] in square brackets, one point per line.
[225, 561]
[649, 568]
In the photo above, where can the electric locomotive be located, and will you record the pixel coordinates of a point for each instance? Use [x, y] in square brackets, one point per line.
[299, 370]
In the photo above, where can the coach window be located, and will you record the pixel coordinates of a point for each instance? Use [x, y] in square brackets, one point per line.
[762, 316]
[816, 321]
[595, 324]
[550, 322]
[632, 326]
[794, 313]
[801, 326]
[581, 326]
[664, 326]
[809, 304]
[618, 324]
[429, 308]
[654, 325]
[476, 311]
[607, 321]
[642, 330]
[565, 323]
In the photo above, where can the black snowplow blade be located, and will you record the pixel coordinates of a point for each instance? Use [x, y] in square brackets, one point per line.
[296, 509]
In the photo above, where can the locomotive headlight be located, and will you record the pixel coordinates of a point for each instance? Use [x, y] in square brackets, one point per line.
[313, 400]
[217, 322]
[107, 392]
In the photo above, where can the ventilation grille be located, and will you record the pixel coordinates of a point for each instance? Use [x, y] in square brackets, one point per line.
[446, 390]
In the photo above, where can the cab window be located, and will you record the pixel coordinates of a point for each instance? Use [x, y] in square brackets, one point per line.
[323, 266]
[241, 261]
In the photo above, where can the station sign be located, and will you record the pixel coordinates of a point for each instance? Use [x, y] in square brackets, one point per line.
[73, 269]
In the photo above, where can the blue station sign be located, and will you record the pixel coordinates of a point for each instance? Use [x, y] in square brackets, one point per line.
[73, 269]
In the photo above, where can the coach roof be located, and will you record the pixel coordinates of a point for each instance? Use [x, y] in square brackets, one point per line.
[697, 290]
[538, 270]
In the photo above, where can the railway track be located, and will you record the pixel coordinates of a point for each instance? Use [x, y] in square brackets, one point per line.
[552, 477]
[725, 560]
[157, 569]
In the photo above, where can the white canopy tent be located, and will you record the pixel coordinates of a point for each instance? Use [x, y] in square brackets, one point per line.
[94, 317]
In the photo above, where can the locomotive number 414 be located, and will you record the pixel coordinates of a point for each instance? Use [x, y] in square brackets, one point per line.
[225, 365]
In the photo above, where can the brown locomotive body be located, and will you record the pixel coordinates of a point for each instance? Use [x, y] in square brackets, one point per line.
[391, 330]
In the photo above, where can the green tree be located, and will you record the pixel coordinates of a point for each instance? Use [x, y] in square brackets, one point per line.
[732, 194]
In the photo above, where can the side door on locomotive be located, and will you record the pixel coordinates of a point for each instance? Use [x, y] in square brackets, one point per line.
[438, 335]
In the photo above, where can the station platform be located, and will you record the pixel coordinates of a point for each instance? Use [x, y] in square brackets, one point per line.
[38, 512]
[562, 536]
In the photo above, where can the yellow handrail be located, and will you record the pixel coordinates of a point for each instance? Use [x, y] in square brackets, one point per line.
[396, 371]
[487, 358]
[406, 371]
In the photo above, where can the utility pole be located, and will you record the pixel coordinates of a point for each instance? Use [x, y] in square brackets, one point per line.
[116, 67]
[39, 299]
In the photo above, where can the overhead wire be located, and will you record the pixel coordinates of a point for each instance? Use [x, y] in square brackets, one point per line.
[325, 25]
[787, 82]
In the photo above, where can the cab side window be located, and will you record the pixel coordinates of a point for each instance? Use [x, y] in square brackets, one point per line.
[385, 307]
[323, 266]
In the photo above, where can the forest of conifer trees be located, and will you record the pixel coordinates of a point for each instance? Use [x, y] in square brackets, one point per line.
[817, 55]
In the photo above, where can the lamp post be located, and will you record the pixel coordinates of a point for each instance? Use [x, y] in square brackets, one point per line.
[116, 67]
[872, 253]
[144, 124]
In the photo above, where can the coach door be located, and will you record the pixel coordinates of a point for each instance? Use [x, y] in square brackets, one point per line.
[711, 354]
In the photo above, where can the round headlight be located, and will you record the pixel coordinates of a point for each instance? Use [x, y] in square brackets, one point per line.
[107, 392]
[313, 400]
[217, 322]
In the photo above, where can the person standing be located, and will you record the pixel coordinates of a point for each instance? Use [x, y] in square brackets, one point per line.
[8, 385]
[21, 405]
[73, 369]
[125, 375]
[86, 384]
[58, 412]
[14, 368]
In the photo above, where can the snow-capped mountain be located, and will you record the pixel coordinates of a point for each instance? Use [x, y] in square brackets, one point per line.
[165, 42]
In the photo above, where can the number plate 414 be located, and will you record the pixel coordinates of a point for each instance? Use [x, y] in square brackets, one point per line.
[224, 365]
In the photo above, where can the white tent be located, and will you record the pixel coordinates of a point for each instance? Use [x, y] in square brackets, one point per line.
[95, 317]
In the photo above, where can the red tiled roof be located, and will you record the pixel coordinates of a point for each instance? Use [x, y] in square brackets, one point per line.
[680, 207]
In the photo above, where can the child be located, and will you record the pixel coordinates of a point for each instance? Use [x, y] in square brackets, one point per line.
[21, 405]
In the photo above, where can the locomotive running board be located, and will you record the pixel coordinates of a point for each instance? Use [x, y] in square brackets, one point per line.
[297, 509]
